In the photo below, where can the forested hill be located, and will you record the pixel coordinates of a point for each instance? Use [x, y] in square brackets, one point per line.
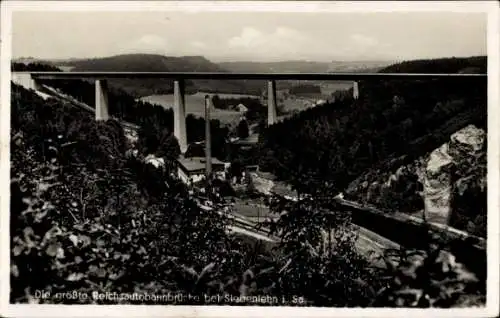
[392, 118]
[471, 65]
[147, 63]
[160, 63]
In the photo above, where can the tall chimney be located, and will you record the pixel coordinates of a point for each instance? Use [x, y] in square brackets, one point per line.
[208, 140]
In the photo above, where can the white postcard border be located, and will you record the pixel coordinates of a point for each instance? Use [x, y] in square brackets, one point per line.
[491, 7]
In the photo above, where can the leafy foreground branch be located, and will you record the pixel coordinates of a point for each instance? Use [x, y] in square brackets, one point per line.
[430, 278]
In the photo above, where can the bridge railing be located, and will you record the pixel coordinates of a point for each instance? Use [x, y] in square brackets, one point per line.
[31, 79]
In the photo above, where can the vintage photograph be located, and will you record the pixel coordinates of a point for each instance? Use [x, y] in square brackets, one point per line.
[216, 155]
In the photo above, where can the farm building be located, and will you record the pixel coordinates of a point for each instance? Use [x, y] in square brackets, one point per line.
[191, 170]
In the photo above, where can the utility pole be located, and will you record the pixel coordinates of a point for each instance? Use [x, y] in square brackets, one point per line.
[208, 139]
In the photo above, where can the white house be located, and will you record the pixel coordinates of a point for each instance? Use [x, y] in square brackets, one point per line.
[241, 108]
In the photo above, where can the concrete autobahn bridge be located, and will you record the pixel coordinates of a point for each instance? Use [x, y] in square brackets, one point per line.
[31, 80]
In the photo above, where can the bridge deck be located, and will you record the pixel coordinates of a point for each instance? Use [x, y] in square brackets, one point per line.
[251, 76]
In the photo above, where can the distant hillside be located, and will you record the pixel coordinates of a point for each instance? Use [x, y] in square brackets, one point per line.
[269, 67]
[146, 63]
[156, 63]
[303, 66]
[472, 65]
[160, 63]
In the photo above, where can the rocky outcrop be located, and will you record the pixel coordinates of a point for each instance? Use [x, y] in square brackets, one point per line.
[469, 192]
[438, 186]
[451, 169]
[398, 190]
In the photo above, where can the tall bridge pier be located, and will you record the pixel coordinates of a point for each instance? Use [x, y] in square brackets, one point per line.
[355, 90]
[271, 102]
[101, 100]
[180, 114]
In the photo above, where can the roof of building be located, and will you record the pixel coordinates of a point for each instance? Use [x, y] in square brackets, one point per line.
[241, 107]
[194, 164]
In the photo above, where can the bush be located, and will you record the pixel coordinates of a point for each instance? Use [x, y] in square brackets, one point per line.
[85, 217]
[428, 278]
[242, 129]
[318, 257]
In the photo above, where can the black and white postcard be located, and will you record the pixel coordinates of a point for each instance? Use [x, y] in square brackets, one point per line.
[249, 158]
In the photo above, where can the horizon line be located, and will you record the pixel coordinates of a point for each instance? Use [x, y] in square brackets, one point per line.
[240, 60]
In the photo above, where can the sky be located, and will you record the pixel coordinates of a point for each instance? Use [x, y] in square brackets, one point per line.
[250, 36]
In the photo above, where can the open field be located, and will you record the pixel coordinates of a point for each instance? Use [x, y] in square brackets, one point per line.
[328, 88]
[195, 104]
[301, 102]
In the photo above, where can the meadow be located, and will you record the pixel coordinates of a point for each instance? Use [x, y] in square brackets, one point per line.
[195, 104]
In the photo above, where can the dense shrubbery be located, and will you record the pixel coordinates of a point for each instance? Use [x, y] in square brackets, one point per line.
[322, 264]
[85, 217]
[242, 129]
[159, 141]
[427, 278]
[128, 244]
